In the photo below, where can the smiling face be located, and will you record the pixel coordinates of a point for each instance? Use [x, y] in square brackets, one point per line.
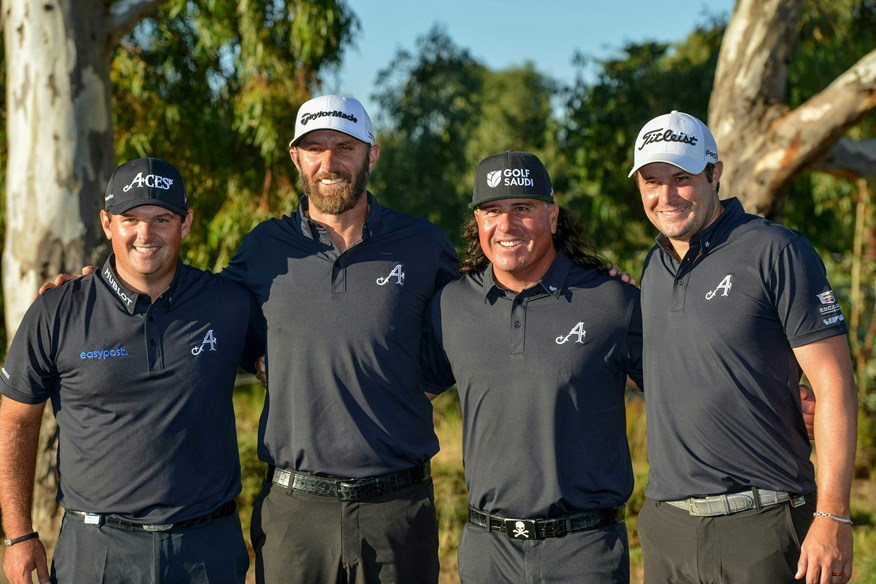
[146, 242]
[516, 235]
[678, 203]
[334, 169]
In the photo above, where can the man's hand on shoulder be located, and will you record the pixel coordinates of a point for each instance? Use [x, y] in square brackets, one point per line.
[614, 270]
[62, 279]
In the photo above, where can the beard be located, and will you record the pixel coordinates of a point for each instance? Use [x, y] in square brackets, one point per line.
[342, 199]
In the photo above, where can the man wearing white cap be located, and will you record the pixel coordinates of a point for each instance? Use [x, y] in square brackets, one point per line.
[347, 428]
[735, 308]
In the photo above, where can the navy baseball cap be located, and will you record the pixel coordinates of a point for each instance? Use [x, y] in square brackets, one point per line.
[145, 181]
[511, 175]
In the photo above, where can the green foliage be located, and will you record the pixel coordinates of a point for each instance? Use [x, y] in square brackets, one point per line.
[430, 103]
[601, 122]
[213, 86]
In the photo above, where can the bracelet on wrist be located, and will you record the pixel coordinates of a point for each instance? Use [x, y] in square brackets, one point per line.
[845, 520]
[25, 537]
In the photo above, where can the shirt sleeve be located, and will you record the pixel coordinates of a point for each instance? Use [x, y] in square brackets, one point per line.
[29, 374]
[802, 295]
[436, 372]
[633, 357]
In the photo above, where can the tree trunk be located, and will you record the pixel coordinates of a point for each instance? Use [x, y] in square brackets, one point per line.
[762, 141]
[59, 125]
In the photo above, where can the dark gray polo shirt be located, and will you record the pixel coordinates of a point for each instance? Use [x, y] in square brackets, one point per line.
[722, 382]
[345, 393]
[141, 392]
[541, 377]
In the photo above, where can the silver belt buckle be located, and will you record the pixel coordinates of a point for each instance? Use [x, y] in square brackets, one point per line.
[157, 526]
[520, 528]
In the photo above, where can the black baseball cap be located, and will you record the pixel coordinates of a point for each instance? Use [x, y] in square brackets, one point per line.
[145, 181]
[511, 175]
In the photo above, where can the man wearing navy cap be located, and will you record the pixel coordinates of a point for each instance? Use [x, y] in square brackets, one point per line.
[346, 430]
[734, 309]
[138, 361]
[540, 341]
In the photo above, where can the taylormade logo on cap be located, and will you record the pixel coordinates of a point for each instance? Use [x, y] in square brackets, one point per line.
[675, 138]
[333, 112]
[511, 175]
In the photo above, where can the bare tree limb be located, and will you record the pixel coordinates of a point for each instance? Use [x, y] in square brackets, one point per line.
[125, 14]
[849, 159]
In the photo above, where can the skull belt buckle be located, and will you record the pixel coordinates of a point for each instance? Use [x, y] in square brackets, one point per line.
[520, 528]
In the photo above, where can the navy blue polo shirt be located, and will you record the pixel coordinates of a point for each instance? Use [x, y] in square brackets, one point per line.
[345, 392]
[541, 377]
[720, 326]
[141, 391]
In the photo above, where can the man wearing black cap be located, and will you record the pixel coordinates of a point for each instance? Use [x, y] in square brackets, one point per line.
[139, 362]
[735, 308]
[540, 341]
[344, 284]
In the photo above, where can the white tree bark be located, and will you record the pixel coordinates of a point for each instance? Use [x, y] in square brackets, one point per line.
[762, 141]
[59, 127]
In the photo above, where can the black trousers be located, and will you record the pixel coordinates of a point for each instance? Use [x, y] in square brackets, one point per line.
[209, 553]
[749, 546]
[597, 556]
[304, 538]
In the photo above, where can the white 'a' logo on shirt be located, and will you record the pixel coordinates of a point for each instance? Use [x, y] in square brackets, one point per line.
[724, 285]
[577, 331]
[209, 339]
[398, 273]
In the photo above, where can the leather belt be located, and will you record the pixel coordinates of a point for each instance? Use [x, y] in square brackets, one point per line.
[348, 489]
[99, 519]
[523, 529]
[735, 502]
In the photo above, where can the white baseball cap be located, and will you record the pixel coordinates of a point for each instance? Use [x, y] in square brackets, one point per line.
[675, 138]
[333, 112]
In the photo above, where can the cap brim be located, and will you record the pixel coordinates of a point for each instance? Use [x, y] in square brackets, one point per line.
[686, 163]
[475, 205]
[128, 205]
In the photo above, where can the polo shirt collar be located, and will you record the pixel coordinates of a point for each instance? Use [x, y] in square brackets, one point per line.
[130, 299]
[706, 240]
[312, 230]
[551, 283]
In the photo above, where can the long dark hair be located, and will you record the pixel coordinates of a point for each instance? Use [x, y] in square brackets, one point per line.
[570, 238]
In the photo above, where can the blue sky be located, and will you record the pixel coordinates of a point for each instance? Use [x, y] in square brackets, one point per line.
[502, 33]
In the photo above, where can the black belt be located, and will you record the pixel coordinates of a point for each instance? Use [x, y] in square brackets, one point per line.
[99, 519]
[522, 529]
[348, 489]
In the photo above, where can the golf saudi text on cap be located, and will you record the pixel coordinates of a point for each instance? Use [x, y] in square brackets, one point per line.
[675, 138]
[511, 175]
[145, 181]
[333, 112]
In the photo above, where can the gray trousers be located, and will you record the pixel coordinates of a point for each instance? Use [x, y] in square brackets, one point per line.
[307, 539]
[597, 556]
[749, 546]
[209, 553]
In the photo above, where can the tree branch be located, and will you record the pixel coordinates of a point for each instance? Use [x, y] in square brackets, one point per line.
[805, 134]
[849, 159]
[125, 14]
